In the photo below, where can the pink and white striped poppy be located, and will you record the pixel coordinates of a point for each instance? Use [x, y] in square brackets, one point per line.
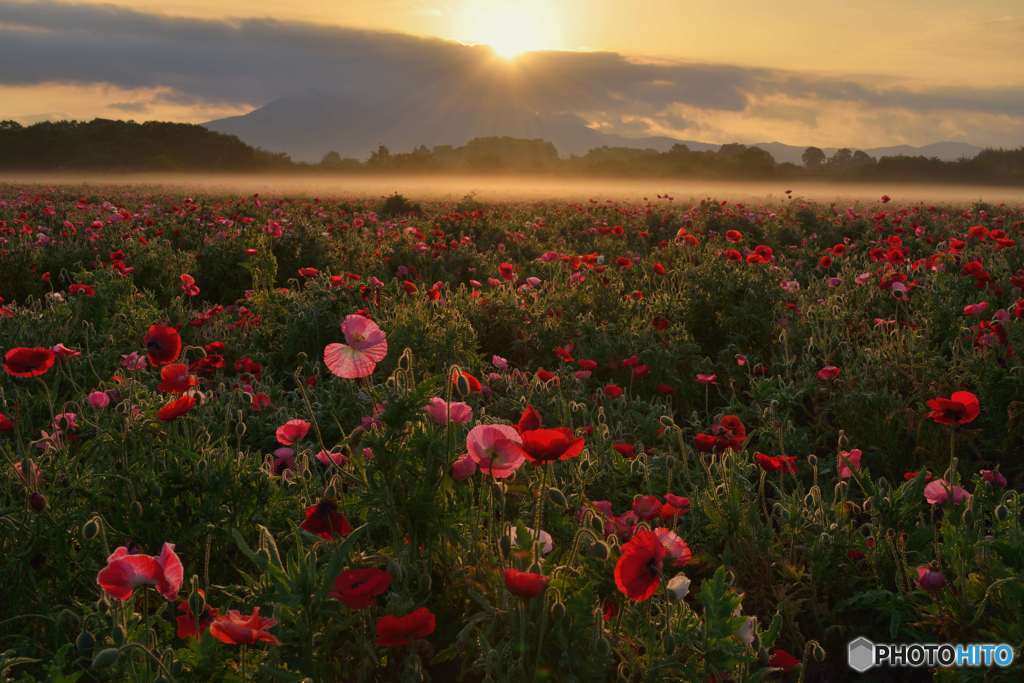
[497, 449]
[365, 346]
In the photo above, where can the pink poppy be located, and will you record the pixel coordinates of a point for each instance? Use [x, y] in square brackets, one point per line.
[125, 572]
[440, 411]
[940, 492]
[848, 461]
[976, 309]
[99, 400]
[675, 546]
[292, 432]
[328, 458]
[497, 449]
[365, 346]
[463, 468]
[707, 378]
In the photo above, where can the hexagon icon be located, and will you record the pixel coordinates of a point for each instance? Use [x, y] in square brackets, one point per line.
[860, 654]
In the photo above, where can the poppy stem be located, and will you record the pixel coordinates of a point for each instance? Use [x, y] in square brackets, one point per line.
[951, 476]
[538, 514]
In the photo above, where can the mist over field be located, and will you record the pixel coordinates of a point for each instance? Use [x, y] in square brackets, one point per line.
[498, 188]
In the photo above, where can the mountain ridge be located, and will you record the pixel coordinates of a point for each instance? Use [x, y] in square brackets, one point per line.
[309, 125]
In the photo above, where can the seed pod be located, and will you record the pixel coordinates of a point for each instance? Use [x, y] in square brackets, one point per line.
[557, 497]
[105, 658]
[90, 529]
[600, 550]
[84, 642]
[37, 502]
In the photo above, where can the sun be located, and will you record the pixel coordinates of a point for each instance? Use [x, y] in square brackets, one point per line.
[509, 28]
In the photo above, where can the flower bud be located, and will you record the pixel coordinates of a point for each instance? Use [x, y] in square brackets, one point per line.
[679, 586]
[105, 658]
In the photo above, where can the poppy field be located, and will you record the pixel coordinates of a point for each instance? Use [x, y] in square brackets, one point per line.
[287, 439]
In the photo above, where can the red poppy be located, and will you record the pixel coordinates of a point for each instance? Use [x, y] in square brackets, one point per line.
[507, 271]
[163, 344]
[780, 659]
[546, 445]
[395, 631]
[545, 375]
[525, 585]
[626, 450]
[529, 419]
[324, 520]
[728, 433]
[235, 628]
[6, 425]
[646, 507]
[959, 409]
[291, 432]
[125, 572]
[777, 463]
[28, 362]
[828, 373]
[357, 588]
[612, 390]
[176, 408]
[81, 289]
[175, 379]
[466, 382]
[638, 571]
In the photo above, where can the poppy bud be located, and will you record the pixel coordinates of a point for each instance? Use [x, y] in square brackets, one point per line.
[557, 609]
[90, 529]
[84, 642]
[930, 579]
[603, 646]
[196, 599]
[600, 551]
[37, 501]
[557, 497]
[105, 658]
[462, 385]
[136, 508]
[1001, 512]
[117, 635]
[679, 586]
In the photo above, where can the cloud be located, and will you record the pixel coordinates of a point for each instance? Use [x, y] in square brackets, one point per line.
[231, 65]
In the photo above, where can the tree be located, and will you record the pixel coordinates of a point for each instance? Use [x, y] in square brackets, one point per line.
[332, 158]
[842, 158]
[813, 157]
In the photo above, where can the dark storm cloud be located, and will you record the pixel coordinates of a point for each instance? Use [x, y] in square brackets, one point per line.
[254, 61]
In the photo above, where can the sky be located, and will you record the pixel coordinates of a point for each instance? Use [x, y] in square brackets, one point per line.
[860, 74]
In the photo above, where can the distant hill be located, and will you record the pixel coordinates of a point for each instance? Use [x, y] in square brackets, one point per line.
[308, 125]
[103, 144]
[946, 151]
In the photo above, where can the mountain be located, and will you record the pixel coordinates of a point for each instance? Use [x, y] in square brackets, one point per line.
[308, 125]
[946, 151]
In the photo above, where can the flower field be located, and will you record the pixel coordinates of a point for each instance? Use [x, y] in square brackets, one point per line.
[262, 438]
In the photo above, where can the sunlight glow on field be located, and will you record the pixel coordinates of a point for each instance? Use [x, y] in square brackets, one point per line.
[504, 188]
[510, 28]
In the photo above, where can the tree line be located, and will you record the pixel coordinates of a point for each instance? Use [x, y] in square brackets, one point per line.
[107, 145]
